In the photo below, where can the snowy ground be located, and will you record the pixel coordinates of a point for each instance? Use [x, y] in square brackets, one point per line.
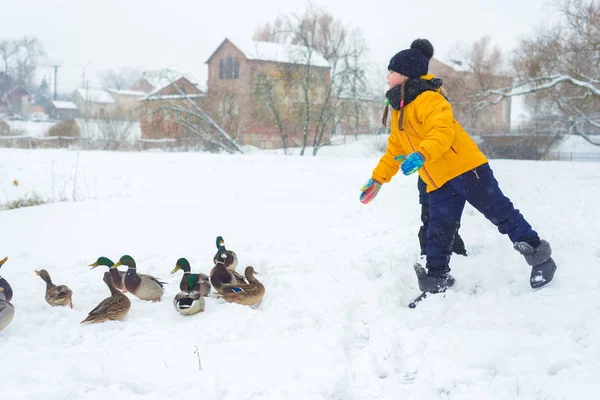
[334, 322]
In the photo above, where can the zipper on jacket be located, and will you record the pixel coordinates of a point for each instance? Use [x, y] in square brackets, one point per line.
[424, 169]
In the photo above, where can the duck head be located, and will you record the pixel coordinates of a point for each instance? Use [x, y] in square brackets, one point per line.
[126, 260]
[102, 261]
[182, 264]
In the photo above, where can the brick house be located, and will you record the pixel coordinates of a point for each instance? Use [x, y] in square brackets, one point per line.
[234, 72]
[161, 110]
[459, 81]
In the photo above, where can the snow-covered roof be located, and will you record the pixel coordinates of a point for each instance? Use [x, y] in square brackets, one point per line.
[127, 92]
[458, 65]
[167, 81]
[96, 96]
[64, 105]
[278, 52]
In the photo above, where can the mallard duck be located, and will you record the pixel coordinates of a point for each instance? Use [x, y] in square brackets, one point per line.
[118, 277]
[144, 287]
[7, 310]
[189, 303]
[246, 294]
[220, 275]
[8, 292]
[59, 295]
[113, 308]
[191, 282]
[228, 257]
[230, 260]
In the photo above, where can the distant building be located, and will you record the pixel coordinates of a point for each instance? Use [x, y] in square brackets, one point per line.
[62, 110]
[234, 70]
[160, 110]
[18, 100]
[94, 103]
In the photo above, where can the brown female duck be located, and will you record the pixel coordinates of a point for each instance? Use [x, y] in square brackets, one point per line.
[246, 294]
[113, 308]
[59, 295]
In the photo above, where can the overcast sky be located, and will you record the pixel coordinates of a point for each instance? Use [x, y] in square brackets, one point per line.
[181, 34]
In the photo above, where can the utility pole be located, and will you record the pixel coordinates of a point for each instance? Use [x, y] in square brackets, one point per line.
[55, 66]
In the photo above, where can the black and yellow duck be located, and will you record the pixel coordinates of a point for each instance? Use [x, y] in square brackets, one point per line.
[191, 282]
[56, 295]
[246, 294]
[118, 277]
[113, 308]
[8, 292]
[228, 257]
[144, 287]
[221, 276]
[7, 310]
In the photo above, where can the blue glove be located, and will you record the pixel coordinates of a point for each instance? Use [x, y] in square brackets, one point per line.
[412, 163]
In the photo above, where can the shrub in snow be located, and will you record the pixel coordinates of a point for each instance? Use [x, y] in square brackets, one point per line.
[64, 128]
[4, 128]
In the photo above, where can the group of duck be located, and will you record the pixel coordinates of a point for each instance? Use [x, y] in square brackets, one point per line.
[223, 278]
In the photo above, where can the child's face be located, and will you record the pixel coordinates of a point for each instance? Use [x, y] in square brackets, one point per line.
[394, 78]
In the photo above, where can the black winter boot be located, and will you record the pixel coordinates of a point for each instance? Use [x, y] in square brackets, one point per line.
[432, 284]
[542, 265]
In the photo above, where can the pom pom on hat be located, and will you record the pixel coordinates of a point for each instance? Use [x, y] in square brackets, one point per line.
[413, 62]
[424, 46]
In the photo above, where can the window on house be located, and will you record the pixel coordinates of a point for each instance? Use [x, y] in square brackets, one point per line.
[229, 68]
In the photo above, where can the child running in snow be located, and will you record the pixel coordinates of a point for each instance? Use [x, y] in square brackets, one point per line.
[426, 138]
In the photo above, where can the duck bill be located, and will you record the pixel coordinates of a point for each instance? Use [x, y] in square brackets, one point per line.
[94, 265]
[3, 261]
[175, 269]
[117, 265]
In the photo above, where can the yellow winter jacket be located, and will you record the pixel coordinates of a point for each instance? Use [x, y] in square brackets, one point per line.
[429, 128]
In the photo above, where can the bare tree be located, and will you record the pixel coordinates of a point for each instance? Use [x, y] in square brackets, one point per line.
[479, 67]
[558, 71]
[28, 57]
[185, 112]
[273, 93]
[119, 78]
[319, 35]
[8, 49]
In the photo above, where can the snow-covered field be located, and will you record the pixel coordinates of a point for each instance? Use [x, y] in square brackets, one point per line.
[334, 323]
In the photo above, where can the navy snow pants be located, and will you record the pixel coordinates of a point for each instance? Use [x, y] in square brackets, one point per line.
[446, 204]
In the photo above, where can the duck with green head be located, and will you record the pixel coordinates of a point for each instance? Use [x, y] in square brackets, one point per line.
[8, 292]
[220, 275]
[191, 282]
[113, 308]
[144, 287]
[56, 295]
[7, 310]
[231, 259]
[118, 277]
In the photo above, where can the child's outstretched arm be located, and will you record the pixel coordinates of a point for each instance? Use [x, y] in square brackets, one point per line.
[388, 166]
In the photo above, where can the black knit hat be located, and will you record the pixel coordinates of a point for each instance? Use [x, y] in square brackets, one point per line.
[413, 62]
